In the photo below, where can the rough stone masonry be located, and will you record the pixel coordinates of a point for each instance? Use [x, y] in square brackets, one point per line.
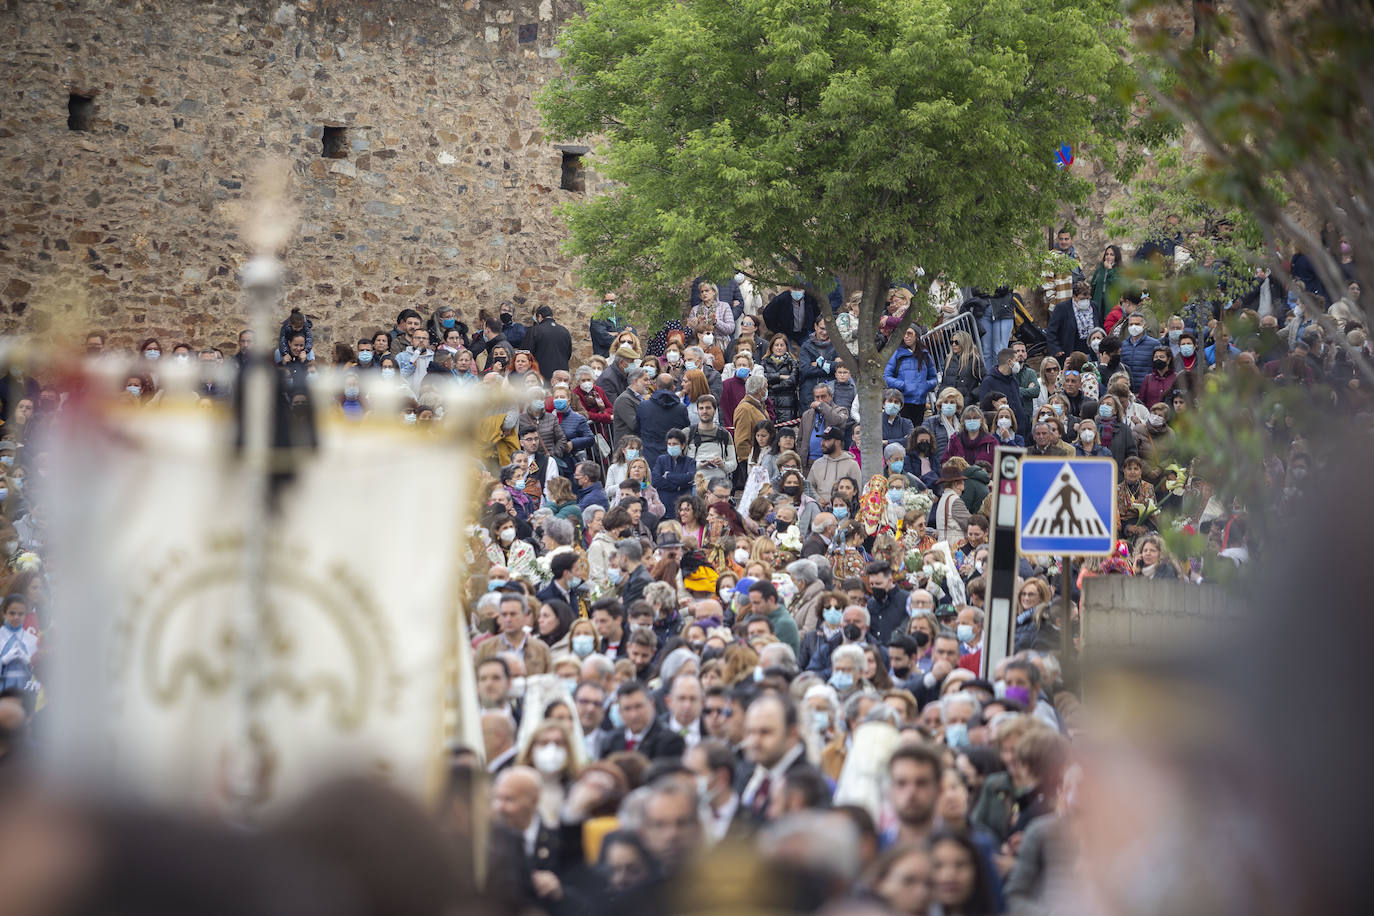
[131, 131]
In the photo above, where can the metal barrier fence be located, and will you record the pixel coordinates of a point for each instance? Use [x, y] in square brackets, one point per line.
[939, 338]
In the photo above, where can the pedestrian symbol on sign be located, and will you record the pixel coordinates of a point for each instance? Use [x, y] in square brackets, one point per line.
[1065, 510]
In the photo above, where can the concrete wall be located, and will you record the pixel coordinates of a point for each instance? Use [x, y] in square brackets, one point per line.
[139, 224]
[1127, 614]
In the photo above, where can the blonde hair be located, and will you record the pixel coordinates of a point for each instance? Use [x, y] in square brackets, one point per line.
[968, 353]
[954, 393]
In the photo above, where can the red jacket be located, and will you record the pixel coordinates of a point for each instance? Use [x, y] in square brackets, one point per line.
[984, 448]
[595, 402]
[1156, 387]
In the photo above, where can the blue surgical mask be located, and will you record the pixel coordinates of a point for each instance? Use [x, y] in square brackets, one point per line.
[388, 372]
[742, 372]
[364, 357]
[841, 680]
[494, 584]
[956, 734]
[820, 719]
[351, 392]
[1058, 409]
[560, 403]
[7, 460]
[582, 645]
[650, 371]
[965, 633]
[448, 322]
[841, 512]
[152, 354]
[691, 364]
[631, 454]
[833, 616]
[674, 451]
[892, 409]
[948, 409]
[616, 719]
[1104, 411]
[4, 494]
[896, 466]
[614, 574]
[972, 425]
[134, 390]
[797, 295]
[1186, 349]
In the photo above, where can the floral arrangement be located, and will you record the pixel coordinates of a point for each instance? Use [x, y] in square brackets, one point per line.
[25, 560]
[790, 540]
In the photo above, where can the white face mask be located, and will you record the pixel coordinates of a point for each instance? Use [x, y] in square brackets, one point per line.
[1088, 435]
[1136, 330]
[549, 758]
[741, 556]
[507, 535]
[1004, 422]
[708, 339]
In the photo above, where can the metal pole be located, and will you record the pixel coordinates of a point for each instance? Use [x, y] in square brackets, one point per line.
[262, 282]
[1065, 586]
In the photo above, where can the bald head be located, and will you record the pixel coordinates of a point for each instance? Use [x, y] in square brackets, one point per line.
[515, 797]
[708, 607]
[498, 733]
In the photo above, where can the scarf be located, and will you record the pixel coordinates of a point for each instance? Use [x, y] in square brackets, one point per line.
[1083, 315]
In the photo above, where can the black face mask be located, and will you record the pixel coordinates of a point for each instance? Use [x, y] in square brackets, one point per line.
[924, 447]
[792, 490]
[713, 652]
[880, 594]
[921, 637]
[901, 674]
[1161, 364]
[506, 317]
[852, 633]
[782, 525]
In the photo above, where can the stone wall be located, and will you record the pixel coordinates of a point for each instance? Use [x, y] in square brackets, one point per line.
[1126, 614]
[444, 193]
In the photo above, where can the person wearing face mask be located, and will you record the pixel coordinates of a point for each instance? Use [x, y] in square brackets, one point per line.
[944, 423]
[1003, 380]
[817, 362]
[1086, 444]
[661, 413]
[1071, 322]
[974, 443]
[1137, 350]
[792, 312]
[896, 428]
[1112, 433]
[1162, 378]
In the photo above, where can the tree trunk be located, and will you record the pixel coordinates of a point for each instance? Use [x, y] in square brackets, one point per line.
[868, 363]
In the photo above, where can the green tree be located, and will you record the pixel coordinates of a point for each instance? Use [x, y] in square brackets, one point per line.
[818, 138]
[1280, 95]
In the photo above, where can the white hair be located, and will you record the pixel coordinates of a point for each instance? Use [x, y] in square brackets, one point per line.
[827, 693]
[755, 384]
[962, 696]
[788, 660]
[816, 841]
[852, 652]
[804, 570]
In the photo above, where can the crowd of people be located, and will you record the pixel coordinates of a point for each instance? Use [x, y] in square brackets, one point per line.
[700, 616]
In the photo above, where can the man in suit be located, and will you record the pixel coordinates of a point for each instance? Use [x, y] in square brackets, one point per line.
[773, 746]
[511, 619]
[713, 764]
[515, 806]
[684, 709]
[642, 732]
[822, 535]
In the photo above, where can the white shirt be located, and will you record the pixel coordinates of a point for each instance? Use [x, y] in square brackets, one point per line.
[691, 734]
[718, 822]
[774, 775]
[530, 836]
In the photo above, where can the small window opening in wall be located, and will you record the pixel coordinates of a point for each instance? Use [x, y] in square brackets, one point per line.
[335, 143]
[574, 173]
[80, 111]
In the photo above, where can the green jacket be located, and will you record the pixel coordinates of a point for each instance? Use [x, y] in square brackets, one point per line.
[977, 486]
[1028, 380]
[785, 628]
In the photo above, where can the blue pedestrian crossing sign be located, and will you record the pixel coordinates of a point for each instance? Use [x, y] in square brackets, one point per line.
[1067, 506]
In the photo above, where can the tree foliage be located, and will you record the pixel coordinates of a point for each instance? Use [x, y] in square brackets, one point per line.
[813, 138]
[1280, 94]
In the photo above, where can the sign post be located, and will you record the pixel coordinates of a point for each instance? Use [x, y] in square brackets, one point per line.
[1000, 617]
[1067, 507]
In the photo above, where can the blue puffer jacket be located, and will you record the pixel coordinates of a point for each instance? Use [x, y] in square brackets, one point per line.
[1136, 353]
[913, 379]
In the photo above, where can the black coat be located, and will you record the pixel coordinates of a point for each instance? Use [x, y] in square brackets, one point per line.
[885, 616]
[996, 382]
[781, 373]
[551, 346]
[777, 315]
[1064, 337]
[657, 742]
